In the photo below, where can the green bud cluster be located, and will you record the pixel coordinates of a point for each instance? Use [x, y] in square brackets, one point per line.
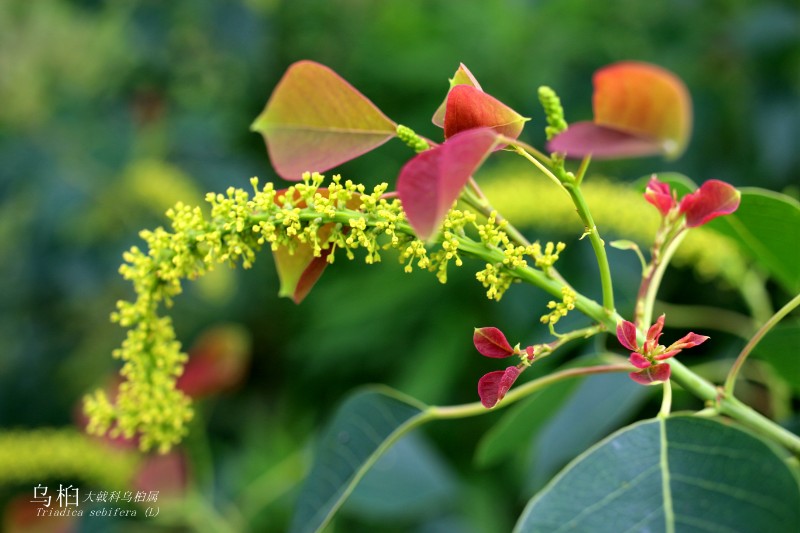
[414, 141]
[553, 112]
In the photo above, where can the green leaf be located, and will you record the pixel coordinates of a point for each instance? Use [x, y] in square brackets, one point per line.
[676, 474]
[410, 480]
[767, 228]
[364, 427]
[779, 348]
[600, 405]
[315, 120]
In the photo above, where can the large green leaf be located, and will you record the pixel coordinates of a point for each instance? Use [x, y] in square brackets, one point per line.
[677, 474]
[365, 426]
[767, 228]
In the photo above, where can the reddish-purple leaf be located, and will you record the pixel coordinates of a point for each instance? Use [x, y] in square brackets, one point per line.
[626, 334]
[430, 183]
[587, 138]
[638, 360]
[462, 77]
[689, 340]
[714, 198]
[469, 108]
[660, 195]
[217, 362]
[493, 386]
[315, 120]
[652, 375]
[492, 343]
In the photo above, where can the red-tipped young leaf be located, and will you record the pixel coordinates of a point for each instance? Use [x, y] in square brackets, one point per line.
[626, 334]
[690, 340]
[714, 198]
[315, 120]
[587, 138]
[430, 183]
[638, 360]
[493, 386]
[469, 108]
[652, 375]
[660, 195]
[646, 101]
[462, 77]
[491, 342]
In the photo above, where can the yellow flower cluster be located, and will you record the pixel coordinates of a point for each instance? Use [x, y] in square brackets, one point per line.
[559, 309]
[341, 216]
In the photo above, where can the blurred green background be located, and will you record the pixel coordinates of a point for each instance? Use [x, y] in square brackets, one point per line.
[112, 111]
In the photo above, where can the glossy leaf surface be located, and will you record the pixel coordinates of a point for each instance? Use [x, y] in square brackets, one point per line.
[315, 120]
[430, 183]
[675, 474]
[767, 228]
[364, 426]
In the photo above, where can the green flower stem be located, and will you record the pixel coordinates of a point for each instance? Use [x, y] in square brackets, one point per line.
[571, 186]
[524, 390]
[730, 380]
[666, 400]
[761, 424]
[474, 197]
[651, 280]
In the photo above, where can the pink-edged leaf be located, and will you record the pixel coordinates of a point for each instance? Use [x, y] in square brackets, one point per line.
[430, 183]
[582, 139]
[626, 334]
[469, 108]
[660, 195]
[491, 342]
[689, 340]
[315, 120]
[714, 198]
[493, 386]
[217, 362]
[652, 375]
[462, 77]
[646, 101]
[299, 269]
[638, 360]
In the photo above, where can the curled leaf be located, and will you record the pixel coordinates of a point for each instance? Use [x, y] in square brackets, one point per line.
[462, 77]
[469, 108]
[315, 120]
[626, 334]
[493, 386]
[430, 182]
[714, 198]
[491, 342]
[660, 195]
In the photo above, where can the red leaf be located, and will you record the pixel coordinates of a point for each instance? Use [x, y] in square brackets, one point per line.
[587, 138]
[652, 375]
[469, 108]
[430, 183]
[315, 120]
[462, 77]
[714, 198]
[626, 334]
[689, 340]
[217, 362]
[644, 100]
[492, 343]
[660, 195]
[638, 360]
[493, 386]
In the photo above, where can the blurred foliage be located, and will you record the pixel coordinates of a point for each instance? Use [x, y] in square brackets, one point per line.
[113, 111]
